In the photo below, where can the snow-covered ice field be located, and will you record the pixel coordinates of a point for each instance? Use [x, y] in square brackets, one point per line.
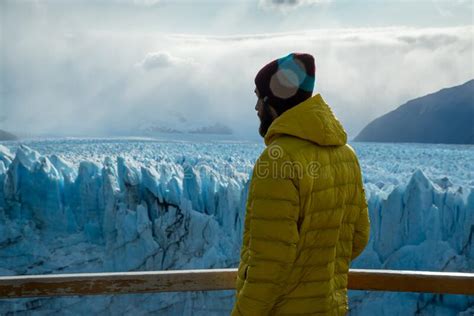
[92, 205]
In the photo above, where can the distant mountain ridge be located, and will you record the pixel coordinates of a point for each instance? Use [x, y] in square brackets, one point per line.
[446, 116]
[216, 128]
[7, 136]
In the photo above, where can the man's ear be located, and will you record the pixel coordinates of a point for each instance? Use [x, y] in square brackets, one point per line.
[273, 112]
[271, 109]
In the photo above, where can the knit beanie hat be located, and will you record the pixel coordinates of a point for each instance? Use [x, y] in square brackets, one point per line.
[287, 81]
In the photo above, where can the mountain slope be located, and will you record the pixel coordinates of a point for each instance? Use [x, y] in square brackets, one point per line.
[6, 136]
[446, 116]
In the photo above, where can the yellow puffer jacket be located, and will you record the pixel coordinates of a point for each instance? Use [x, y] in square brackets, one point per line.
[306, 218]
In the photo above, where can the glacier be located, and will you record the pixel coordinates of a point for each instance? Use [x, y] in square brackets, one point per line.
[103, 205]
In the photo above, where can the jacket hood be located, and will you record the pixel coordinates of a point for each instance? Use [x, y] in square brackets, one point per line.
[311, 120]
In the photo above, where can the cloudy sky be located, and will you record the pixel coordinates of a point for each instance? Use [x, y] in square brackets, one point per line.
[96, 68]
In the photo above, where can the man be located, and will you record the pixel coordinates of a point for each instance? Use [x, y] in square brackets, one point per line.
[306, 216]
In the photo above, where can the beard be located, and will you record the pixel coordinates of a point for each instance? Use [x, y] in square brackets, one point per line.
[266, 120]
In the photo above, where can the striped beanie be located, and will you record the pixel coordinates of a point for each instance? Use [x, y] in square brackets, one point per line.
[287, 81]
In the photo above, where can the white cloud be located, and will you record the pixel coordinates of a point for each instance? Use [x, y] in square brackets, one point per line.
[146, 2]
[285, 5]
[162, 59]
[91, 84]
[445, 8]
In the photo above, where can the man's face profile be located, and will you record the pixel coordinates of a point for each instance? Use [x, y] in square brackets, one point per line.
[265, 114]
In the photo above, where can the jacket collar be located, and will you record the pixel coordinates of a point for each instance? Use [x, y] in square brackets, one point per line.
[311, 120]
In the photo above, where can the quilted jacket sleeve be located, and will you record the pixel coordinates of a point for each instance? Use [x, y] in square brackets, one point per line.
[273, 235]
[362, 225]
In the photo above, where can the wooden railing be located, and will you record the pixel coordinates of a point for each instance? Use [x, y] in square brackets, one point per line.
[218, 279]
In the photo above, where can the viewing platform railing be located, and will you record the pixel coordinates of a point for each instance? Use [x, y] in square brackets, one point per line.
[218, 279]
